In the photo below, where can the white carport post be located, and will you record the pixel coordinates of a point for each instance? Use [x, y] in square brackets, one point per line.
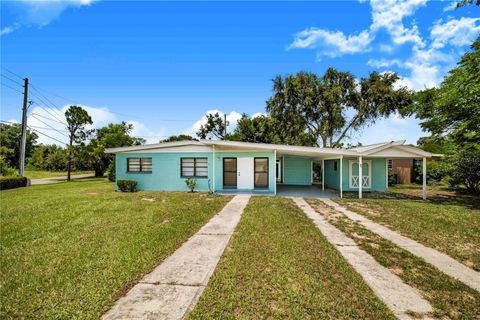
[213, 167]
[323, 175]
[360, 177]
[275, 180]
[341, 177]
[424, 179]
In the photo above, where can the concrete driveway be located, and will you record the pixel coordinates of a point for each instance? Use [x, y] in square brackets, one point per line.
[35, 182]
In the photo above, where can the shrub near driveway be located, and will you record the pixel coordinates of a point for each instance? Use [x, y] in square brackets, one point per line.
[279, 266]
[70, 249]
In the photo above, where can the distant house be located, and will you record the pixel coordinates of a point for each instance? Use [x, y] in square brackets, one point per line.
[232, 167]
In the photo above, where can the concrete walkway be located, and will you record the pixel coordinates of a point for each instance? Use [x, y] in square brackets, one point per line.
[441, 261]
[401, 298]
[173, 288]
[35, 182]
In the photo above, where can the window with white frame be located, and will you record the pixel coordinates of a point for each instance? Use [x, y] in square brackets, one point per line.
[390, 164]
[139, 165]
[194, 167]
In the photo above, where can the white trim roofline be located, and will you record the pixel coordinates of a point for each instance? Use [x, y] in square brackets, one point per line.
[368, 150]
[154, 146]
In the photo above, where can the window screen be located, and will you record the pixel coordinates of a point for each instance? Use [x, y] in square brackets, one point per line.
[139, 164]
[390, 164]
[194, 167]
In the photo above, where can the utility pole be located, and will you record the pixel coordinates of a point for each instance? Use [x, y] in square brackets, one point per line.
[23, 142]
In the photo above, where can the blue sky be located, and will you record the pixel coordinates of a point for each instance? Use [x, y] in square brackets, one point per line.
[163, 65]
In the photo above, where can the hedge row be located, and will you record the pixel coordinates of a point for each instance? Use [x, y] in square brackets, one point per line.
[12, 182]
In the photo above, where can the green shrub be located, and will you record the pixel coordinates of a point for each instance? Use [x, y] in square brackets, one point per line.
[12, 182]
[5, 169]
[191, 184]
[392, 179]
[111, 171]
[465, 169]
[127, 185]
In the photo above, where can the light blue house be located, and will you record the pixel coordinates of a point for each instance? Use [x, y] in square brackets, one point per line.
[231, 167]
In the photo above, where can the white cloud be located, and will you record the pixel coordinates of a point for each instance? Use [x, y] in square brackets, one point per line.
[141, 130]
[386, 15]
[38, 13]
[392, 128]
[454, 32]
[258, 114]
[389, 15]
[383, 63]
[232, 119]
[334, 43]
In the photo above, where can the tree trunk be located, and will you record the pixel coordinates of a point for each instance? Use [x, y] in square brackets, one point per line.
[69, 164]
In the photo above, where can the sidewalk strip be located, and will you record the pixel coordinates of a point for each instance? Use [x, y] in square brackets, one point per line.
[401, 298]
[173, 288]
[441, 261]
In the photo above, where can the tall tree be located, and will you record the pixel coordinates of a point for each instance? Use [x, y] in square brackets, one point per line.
[112, 136]
[77, 118]
[453, 109]
[180, 137]
[10, 143]
[305, 103]
[213, 128]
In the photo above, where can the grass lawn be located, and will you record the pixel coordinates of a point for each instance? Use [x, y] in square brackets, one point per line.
[40, 174]
[447, 222]
[69, 250]
[279, 266]
[450, 298]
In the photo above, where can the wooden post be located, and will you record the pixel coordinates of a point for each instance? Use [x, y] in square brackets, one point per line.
[424, 182]
[23, 141]
[360, 177]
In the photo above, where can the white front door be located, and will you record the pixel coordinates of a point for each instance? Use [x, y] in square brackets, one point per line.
[245, 173]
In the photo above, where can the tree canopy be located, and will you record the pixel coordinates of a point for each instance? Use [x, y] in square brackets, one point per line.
[305, 103]
[213, 128]
[180, 137]
[10, 136]
[453, 109]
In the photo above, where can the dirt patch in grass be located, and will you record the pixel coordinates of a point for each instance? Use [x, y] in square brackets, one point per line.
[281, 267]
[450, 298]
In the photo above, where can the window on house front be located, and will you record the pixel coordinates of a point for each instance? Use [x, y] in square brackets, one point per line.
[261, 173]
[390, 163]
[139, 165]
[194, 167]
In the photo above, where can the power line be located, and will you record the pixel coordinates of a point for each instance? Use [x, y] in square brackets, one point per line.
[46, 135]
[39, 115]
[15, 74]
[55, 94]
[56, 115]
[53, 115]
[36, 127]
[53, 104]
[15, 81]
[50, 126]
[5, 85]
